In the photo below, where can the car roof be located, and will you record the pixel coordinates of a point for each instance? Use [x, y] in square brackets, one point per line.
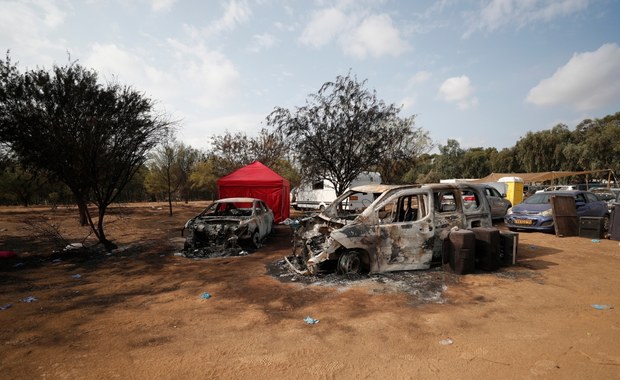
[566, 192]
[239, 200]
[380, 188]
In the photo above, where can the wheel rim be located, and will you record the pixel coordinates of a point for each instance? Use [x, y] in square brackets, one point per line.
[349, 263]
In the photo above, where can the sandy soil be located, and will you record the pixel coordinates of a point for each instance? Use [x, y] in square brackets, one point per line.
[138, 313]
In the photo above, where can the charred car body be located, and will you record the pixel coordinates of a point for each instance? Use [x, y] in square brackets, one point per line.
[226, 225]
[400, 230]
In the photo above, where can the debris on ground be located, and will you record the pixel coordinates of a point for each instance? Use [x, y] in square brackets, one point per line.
[311, 321]
[29, 299]
[446, 342]
[205, 296]
[6, 306]
[424, 286]
[602, 307]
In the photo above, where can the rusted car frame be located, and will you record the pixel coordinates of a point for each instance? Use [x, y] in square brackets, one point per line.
[400, 230]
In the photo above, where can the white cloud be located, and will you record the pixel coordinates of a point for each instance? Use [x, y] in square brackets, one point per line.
[587, 82]
[324, 26]
[357, 34]
[409, 102]
[210, 74]
[375, 36]
[26, 26]
[196, 126]
[262, 42]
[419, 77]
[205, 78]
[499, 13]
[235, 13]
[112, 62]
[458, 90]
[162, 5]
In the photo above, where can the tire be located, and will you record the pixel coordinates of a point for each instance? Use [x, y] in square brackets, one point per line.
[350, 262]
[256, 242]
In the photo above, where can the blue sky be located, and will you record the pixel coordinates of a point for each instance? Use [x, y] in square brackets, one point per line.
[483, 72]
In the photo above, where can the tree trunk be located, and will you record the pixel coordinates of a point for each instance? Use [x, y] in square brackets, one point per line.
[107, 244]
[83, 211]
[170, 203]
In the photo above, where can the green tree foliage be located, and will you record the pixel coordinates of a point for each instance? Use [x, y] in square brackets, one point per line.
[91, 137]
[170, 167]
[450, 163]
[232, 151]
[19, 185]
[204, 178]
[403, 155]
[343, 130]
[543, 150]
[504, 161]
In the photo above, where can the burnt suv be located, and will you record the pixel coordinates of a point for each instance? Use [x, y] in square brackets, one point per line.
[401, 229]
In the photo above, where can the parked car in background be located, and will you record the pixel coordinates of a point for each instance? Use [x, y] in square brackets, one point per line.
[608, 195]
[227, 224]
[536, 214]
[498, 203]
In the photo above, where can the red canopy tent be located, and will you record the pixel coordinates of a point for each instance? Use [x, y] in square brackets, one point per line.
[258, 181]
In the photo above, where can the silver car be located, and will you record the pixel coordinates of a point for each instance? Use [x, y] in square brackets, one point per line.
[499, 205]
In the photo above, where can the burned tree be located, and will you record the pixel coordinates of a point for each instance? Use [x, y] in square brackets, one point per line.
[89, 136]
[343, 130]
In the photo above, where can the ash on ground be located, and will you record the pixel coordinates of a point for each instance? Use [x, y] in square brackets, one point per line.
[208, 252]
[423, 286]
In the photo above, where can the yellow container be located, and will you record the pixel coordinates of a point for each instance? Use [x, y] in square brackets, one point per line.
[514, 189]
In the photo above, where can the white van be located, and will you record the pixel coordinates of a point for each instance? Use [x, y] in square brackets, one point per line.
[317, 195]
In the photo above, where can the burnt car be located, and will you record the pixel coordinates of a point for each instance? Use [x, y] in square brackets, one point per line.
[400, 230]
[228, 225]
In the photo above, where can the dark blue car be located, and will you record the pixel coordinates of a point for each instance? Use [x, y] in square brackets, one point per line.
[535, 213]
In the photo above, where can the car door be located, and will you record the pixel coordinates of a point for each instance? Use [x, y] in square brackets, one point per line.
[262, 217]
[594, 206]
[404, 231]
[498, 204]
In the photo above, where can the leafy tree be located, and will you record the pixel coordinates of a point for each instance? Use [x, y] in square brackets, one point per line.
[404, 153]
[543, 150]
[450, 163]
[204, 178]
[21, 185]
[477, 162]
[89, 136]
[343, 130]
[422, 171]
[504, 161]
[170, 167]
[233, 151]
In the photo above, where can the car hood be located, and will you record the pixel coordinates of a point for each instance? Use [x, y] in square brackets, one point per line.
[525, 208]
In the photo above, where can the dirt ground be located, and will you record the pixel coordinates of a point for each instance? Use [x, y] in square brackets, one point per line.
[138, 313]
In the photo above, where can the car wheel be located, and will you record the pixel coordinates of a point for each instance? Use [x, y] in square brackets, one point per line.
[256, 243]
[351, 262]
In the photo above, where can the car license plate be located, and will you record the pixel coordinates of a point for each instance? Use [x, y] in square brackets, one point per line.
[523, 221]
